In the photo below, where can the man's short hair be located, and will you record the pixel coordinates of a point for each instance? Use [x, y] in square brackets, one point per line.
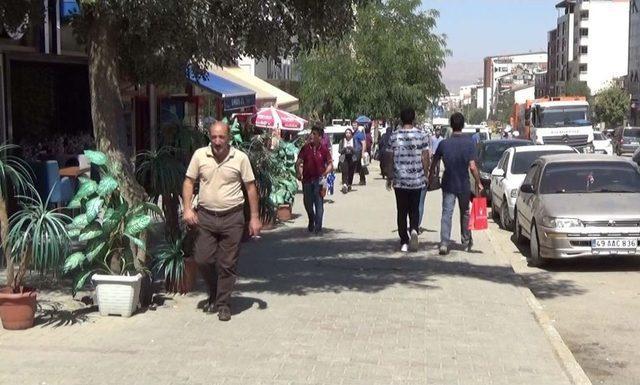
[317, 128]
[456, 121]
[408, 115]
[220, 123]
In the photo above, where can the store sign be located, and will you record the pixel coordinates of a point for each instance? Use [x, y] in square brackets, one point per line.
[237, 102]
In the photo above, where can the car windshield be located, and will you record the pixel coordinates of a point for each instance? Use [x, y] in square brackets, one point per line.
[590, 177]
[491, 152]
[599, 136]
[483, 135]
[523, 160]
[564, 116]
[337, 137]
[632, 133]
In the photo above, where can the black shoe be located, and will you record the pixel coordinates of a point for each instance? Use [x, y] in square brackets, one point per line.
[349, 188]
[468, 245]
[318, 232]
[310, 227]
[210, 307]
[224, 313]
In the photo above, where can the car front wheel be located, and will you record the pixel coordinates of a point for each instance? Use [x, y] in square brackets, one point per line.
[535, 260]
[505, 220]
[517, 230]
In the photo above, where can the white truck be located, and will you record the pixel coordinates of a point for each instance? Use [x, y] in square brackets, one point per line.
[555, 120]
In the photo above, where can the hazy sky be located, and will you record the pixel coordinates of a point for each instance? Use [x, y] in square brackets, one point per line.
[479, 28]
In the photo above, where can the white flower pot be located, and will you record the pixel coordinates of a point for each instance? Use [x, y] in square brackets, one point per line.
[117, 294]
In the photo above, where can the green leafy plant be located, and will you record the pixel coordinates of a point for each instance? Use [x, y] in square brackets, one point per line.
[38, 238]
[170, 261]
[161, 173]
[15, 178]
[263, 163]
[283, 174]
[110, 227]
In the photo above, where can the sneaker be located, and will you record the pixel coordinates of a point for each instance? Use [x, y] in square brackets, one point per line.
[414, 240]
[443, 250]
[344, 189]
[404, 248]
[468, 245]
[224, 313]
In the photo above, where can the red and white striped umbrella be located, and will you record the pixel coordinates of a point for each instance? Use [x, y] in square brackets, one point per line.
[271, 117]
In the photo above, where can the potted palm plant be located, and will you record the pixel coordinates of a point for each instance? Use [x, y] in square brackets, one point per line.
[110, 229]
[161, 172]
[39, 241]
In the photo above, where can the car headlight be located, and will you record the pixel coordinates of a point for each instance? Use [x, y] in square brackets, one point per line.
[561, 223]
[587, 150]
[514, 193]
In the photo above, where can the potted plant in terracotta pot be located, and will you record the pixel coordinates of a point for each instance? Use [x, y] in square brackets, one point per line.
[173, 262]
[110, 229]
[39, 241]
[284, 181]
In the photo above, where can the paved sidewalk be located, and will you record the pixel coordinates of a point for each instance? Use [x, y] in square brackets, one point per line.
[342, 309]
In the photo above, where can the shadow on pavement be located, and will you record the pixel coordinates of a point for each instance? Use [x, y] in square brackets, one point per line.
[53, 314]
[240, 304]
[291, 261]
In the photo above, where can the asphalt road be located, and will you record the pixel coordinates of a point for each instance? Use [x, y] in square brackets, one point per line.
[596, 307]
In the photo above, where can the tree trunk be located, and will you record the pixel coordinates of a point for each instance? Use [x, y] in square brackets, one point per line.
[4, 233]
[107, 111]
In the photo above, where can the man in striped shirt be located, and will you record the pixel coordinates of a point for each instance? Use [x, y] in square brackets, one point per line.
[411, 158]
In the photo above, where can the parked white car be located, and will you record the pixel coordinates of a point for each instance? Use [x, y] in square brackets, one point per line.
[508, 175]
[602, 144]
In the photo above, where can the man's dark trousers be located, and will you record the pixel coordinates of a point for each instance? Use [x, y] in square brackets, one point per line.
[408, 204]
[216, 251]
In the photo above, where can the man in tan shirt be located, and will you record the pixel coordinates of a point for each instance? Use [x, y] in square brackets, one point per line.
[219, 219]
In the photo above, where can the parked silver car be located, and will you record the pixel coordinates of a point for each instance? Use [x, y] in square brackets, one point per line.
[575, 205]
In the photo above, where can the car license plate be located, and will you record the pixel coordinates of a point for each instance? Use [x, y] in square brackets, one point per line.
[614, 243]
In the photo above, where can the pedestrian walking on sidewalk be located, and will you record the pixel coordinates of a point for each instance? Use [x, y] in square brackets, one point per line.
[383, 146]
[360, 143]
[221, 171]
[458, 154]
[410, 165]
[348, 159]
[313, 166]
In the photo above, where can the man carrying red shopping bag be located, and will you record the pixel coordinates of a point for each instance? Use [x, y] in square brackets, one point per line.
[458, 154]
[478, 217]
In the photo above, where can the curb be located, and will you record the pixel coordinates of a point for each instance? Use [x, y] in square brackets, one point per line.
[569, 364]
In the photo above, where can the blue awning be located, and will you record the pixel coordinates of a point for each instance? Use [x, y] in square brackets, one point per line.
[233, 95]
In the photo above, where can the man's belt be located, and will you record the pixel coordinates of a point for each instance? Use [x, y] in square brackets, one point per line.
[222, 213]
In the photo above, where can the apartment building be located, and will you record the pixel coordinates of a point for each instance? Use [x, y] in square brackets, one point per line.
[504, 72]
[633, 78]
[589, 44]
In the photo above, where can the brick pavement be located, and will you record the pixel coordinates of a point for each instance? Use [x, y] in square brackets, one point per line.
[342, 309]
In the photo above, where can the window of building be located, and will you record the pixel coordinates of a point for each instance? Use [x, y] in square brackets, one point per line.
[583, 68]
[584, 15]
[584, 49]
[584, 31]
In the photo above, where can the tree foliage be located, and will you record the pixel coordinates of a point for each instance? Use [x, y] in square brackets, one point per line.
[577, 88]
[476, 115]
[157, 40]
[504, 107]
[611, 105]
[390, 60]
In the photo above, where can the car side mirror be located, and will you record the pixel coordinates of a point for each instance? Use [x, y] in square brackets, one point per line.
[498, 173]
[527, 188]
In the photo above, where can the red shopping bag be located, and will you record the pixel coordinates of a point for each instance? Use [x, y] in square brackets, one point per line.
[478, 214]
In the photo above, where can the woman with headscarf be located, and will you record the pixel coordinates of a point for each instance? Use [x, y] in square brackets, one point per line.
[348, 159]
